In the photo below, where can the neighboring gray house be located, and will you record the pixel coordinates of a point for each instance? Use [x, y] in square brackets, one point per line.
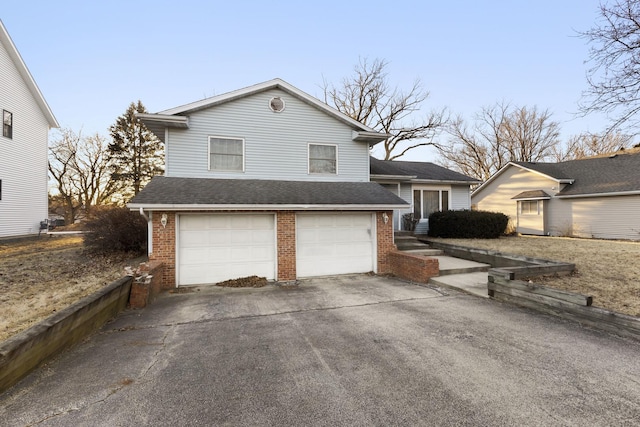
[596, 197]
[26, 121]
[427, 187]
[268, 181]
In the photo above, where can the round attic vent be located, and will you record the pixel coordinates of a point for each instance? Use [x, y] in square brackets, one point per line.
[276, 104]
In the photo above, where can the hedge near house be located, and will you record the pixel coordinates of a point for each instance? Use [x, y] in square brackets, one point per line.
[467, 224]
[116, 229]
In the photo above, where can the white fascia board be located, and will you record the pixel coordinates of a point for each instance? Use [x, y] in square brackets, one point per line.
[443, 181]
[173, 207]
[619, 193]
[505, 167]
[181, 122]
[15, 56]
[378, 178]
[559, 181]
[370, 137]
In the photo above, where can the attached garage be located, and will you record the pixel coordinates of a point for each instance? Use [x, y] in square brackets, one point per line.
[329, 243]
[217, 247]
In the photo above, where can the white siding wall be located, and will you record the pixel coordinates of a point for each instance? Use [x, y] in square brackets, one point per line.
[23, 159]
[498, 195]
[604, 217]
[275, 143]
[460, 197]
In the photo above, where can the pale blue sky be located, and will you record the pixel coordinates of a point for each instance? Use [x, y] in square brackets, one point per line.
[92, 58]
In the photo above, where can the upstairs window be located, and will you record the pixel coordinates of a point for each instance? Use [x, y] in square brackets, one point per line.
[226, 154]
[7, 124]
[323, 159]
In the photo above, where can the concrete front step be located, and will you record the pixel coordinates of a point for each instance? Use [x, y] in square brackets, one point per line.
[450, 265]
[471, 283]
[426, 251]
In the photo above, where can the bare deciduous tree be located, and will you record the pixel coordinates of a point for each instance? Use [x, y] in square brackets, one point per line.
[613, 83]
[589, 144]
[367, 97]
[79, 166]
[500, 134]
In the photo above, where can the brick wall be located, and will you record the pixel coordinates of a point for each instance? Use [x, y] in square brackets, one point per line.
[143, 294]
[286, 224]
[417, 268]
[385, 241]
[164, 247]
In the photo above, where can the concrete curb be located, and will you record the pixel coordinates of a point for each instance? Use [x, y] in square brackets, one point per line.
[24, 352]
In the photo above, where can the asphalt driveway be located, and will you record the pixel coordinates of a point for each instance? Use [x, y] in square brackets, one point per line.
[354, 350]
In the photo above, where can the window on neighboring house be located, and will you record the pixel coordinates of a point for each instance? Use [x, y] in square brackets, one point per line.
[7, 124]
[529, 207]
[323, 159]
[226, 154]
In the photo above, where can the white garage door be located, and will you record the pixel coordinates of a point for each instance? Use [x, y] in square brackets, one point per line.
[218, 247]
[329, 244]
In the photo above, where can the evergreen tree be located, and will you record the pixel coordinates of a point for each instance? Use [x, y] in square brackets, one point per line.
[136, 154]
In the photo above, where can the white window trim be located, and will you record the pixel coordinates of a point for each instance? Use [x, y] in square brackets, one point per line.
[309, 159]
[439, 189]
[537, 212]
[209, 154]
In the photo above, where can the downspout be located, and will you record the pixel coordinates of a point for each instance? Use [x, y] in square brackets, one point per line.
[149, 231]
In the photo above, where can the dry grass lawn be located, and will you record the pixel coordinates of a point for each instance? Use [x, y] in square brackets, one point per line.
[607, 270]
[40, 276]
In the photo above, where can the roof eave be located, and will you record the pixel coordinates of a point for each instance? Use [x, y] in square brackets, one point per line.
[372, 138]
[377, 177]
[266, 207]
[611, 194]
[14, 54]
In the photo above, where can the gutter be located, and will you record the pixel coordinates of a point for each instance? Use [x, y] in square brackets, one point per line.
[202, 207]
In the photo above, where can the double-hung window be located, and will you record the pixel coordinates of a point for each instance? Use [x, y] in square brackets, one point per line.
[226, 154]
[323, 159]
[7, 124]
[529, 207]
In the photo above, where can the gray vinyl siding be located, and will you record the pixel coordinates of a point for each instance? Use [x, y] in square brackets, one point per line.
[275, 143]
[23, 159]
[615, 217]
[460, 197]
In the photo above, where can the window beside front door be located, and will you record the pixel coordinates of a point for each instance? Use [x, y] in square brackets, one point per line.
[425, 202]
[323, 159]
[226, 154]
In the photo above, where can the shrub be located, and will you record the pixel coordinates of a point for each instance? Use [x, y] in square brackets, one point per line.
[115, 229]
[467, 224]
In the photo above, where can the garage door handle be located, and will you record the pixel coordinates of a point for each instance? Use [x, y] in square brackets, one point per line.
[369, 231]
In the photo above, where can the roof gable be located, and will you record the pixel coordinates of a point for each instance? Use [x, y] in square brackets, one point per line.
[362, 133]
[600, 175]
[20, 65]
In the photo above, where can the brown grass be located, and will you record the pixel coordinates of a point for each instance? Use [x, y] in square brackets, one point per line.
[39, 277]
[607, 270]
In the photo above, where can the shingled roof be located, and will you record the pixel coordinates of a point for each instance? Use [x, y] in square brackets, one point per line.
[173, 193]
[422, 171]
[617, 173]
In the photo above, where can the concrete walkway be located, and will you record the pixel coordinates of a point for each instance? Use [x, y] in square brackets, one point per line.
[463, 275]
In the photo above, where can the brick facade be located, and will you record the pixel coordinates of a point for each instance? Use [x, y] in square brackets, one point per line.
[164, 244]
[417, 268]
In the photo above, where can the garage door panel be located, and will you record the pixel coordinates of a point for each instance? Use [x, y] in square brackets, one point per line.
[218, 247]
[330, 244]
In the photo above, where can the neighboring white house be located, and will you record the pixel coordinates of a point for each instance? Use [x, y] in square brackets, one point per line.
[26, 121]
[596, 197]
[267, 181]
[427, 187]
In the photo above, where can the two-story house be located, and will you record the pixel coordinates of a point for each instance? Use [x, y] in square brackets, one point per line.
[26, 121]
[267, 181]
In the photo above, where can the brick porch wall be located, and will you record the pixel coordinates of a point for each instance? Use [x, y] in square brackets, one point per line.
[385, 241]
[164, 244]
